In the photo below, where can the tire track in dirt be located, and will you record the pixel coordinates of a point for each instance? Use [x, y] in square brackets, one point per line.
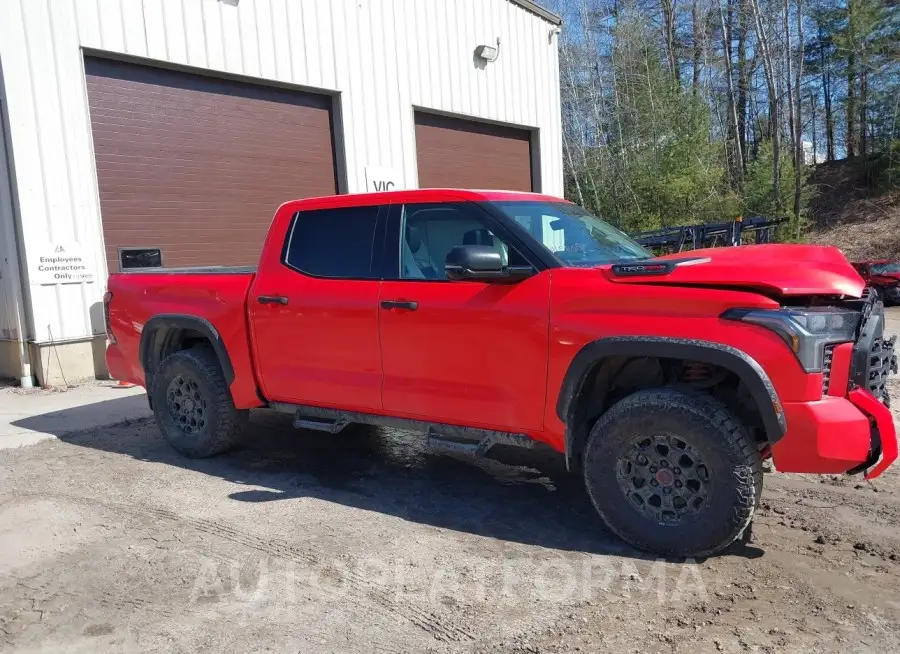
[381, 598]
[40, 592]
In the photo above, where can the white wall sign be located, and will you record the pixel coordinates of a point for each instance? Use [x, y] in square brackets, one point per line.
[59, 263]
[380, 179]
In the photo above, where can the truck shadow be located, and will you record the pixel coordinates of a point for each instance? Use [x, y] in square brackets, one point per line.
[516, 495]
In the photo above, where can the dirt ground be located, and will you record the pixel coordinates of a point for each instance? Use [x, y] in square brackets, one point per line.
[365, 542]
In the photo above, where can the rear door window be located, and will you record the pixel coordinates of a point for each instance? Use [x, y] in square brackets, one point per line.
[334, 243]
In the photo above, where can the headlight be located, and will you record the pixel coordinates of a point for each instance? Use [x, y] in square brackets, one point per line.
[806, 331]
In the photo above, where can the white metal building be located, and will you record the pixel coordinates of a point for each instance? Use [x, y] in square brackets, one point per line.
[166, 132]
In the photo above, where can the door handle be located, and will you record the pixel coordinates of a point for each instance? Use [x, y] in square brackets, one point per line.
[272, 299]
[396, 304]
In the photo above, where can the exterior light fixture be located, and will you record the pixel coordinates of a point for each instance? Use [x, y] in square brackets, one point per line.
[488, 52]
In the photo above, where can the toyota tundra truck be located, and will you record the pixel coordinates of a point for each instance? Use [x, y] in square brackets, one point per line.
[480, 319]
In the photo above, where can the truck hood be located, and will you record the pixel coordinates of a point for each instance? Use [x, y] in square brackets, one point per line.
[781, 270]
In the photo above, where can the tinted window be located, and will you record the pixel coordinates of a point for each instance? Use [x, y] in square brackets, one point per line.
[132, 258]
[429, 231]
[333, 242]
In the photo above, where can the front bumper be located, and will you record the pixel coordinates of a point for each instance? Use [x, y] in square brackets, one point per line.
[836, 435]
[884, 433]
[851, 428]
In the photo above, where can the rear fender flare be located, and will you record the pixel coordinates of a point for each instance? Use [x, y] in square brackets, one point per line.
[732, 359]
[157, 331]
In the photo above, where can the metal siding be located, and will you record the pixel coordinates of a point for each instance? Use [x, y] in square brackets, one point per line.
[175, 31]
[383, 57]
[213, 36]
[10, 285]
[154, 30]
[266, 39]
[231, 38]
[133, 26]
[87, 19]
[282, 40]
[196, 44]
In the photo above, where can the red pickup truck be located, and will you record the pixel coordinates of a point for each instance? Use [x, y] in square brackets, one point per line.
[495, 318]
[883, 276]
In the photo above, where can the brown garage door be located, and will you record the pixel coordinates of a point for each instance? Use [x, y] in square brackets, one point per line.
[460, 153]
[197, 166]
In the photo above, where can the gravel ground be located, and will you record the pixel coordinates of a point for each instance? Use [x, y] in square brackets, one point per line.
[365, 542]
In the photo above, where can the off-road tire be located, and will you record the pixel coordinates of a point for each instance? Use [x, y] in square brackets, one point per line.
[730, 455]
[223, 422]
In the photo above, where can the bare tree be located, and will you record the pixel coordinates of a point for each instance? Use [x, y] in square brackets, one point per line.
[794, 80]
[789, 76]
[742, 78]
[772, 87]
[852, 109]
[825, 64]
[863, 106]
[798, 116]
[668, 10]
[697, 27]
[813, 101]
[735, 122]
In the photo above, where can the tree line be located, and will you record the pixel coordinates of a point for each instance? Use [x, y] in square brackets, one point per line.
[687, 111]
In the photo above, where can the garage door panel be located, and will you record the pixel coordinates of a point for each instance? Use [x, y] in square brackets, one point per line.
[124, 76]
[458, 153]
[197, 165]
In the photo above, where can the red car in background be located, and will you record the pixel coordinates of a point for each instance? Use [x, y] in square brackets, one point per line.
[883, 276]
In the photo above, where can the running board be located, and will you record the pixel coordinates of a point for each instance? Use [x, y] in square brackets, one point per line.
[446, 445]
[440, 437]
[319, 424]
[441, 443]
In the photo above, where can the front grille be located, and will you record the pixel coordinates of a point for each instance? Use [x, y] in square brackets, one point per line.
[826, 369]
[873, 354]
[882, 362]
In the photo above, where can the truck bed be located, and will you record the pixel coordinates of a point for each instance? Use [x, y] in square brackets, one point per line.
[193, 270]
[215, 295]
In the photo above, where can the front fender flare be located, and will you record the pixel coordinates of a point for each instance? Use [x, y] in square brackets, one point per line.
[732, 359]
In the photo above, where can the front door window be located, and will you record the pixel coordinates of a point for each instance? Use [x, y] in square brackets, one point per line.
[429, 231]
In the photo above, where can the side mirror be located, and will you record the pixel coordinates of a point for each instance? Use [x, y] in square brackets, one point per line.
[481, 263]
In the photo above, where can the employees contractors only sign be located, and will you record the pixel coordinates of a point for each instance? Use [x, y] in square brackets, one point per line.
[60, 263]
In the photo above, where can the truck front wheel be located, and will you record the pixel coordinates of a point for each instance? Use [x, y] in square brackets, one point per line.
[193, 405]
[673, 473]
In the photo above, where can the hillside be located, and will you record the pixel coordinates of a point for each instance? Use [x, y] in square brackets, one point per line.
[848, 213]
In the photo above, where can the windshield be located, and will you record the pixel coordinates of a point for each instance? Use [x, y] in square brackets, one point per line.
[882, 268]
[574, 236]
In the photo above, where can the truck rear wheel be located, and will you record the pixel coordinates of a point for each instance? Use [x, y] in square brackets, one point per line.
[673, 473]
[193, 406]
